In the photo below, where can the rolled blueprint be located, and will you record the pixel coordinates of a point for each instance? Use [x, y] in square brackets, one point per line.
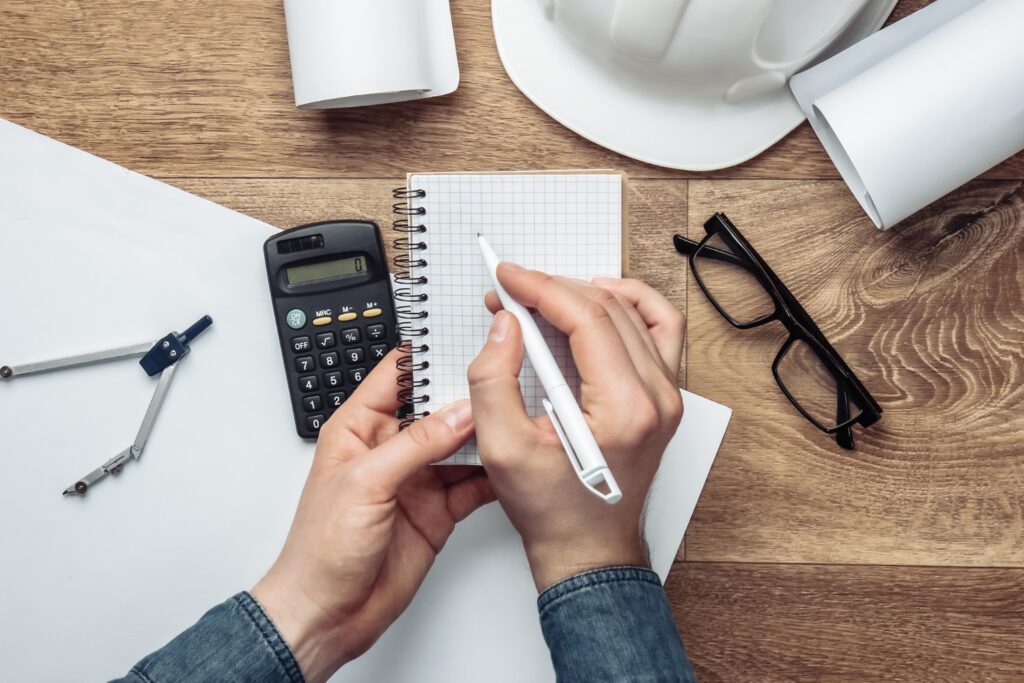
[352, 53]
[923, 106]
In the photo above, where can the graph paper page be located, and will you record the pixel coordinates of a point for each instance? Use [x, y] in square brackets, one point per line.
[564, 224]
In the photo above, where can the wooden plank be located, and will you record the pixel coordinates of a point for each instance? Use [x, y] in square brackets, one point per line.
[836, 623]
[929, 316]
[193, 88]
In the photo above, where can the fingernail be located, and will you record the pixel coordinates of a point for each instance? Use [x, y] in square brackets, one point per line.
[458, 415]
[511, 266]
[499, 326]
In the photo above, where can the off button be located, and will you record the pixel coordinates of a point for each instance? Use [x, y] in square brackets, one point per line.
[296, 318]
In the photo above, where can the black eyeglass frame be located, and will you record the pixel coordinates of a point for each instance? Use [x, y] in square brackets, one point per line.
[791, 314]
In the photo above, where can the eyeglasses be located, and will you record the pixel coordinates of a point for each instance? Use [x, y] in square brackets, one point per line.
[748, 294]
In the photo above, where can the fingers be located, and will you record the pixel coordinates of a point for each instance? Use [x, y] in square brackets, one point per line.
[367, 417]
[498, 409]
[665, 322]
[633, 331]
[597, 346]
[467, 495]
[379, 391]
[430, 439]
[492, 301]
[453, 474]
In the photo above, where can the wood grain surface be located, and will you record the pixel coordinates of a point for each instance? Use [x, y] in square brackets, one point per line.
[196, 88]
[902, 560]
[931, 318]
[751, 622]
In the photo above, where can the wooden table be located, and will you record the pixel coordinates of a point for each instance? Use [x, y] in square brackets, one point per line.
[903, 559]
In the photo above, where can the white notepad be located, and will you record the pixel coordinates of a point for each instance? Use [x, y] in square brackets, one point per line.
[562, 223]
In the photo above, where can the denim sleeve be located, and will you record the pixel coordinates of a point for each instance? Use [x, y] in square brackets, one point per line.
[612, 624]
[234, 641]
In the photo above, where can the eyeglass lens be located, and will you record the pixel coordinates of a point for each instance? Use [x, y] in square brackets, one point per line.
[732, 287]
[810, 384]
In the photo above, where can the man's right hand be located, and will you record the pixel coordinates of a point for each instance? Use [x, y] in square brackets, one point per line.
[627, 342]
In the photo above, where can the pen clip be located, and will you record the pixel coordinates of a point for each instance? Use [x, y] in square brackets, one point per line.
[591, 478]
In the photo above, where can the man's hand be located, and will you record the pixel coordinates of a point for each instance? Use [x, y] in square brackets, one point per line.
[371, 519]
[627, 342]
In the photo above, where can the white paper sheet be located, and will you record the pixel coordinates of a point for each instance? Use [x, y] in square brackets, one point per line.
[97, 256]
[352, 54]
[921, 107]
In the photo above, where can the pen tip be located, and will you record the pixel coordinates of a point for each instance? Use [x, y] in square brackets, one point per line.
[478, 234]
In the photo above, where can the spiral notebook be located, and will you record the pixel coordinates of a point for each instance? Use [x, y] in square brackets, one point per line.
[564, 223]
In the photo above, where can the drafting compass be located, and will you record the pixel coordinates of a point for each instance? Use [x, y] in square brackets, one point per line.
[159, 358]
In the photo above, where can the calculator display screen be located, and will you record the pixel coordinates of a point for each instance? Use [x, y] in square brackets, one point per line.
[326, 270]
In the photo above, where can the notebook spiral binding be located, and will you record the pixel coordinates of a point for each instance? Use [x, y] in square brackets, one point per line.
[410, 303]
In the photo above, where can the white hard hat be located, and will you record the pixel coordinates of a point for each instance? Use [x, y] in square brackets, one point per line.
[689, 84]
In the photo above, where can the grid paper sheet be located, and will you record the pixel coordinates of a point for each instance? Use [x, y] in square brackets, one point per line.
[564, 224]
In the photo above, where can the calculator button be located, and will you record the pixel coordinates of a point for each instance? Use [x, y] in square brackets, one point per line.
[315, 422]
[300, 344]
[329, 360]
[324, 320]
[335, 399]
[378, 351]
[332, 379]
[308, 383]
[312, 403]
[354, 355]
[325, 340]
[372, 312]
[357, 375]
[305, 364]
[345, 317]
[295, 318]
[351, 335]
[375, 332]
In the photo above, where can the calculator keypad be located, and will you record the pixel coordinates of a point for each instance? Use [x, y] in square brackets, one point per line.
[327, 374]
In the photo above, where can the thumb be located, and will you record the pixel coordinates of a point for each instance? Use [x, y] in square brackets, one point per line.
[425, 441]
[498, 410]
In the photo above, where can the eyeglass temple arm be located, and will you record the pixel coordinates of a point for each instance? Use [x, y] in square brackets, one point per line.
[844, 437]
[688, 246]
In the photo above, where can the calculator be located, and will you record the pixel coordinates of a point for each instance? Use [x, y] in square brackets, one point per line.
[334, 311]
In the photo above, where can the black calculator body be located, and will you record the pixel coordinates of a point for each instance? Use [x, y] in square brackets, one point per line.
[334, 311]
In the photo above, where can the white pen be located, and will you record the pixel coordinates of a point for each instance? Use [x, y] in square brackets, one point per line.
[564, 411]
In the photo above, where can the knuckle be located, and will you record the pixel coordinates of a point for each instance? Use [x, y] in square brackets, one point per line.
[594, 310]
[675, 407]
[605, 297]
[678, 321]
[423, 433]
[477, 371]
[645, 420]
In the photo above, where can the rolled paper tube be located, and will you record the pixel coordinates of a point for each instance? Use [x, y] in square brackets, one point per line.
[935, 113]
[353, 54]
